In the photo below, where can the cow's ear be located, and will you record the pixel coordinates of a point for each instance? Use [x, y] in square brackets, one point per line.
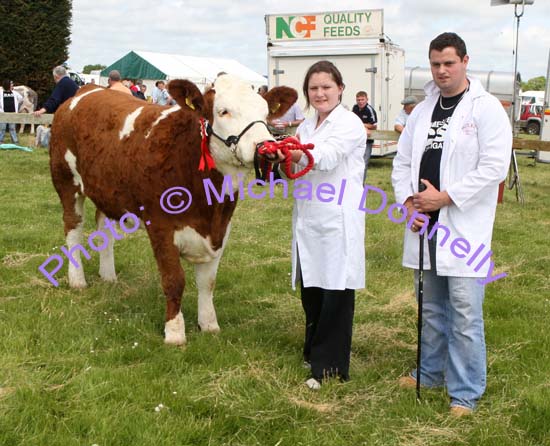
[279, 100]
[186, 94]
[208, 111]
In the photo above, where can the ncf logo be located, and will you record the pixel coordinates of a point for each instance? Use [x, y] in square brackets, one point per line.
[300, 27]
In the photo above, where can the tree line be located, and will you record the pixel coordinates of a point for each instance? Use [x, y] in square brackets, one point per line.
[35, 38]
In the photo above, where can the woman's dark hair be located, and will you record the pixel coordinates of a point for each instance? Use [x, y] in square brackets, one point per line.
[446, 40]
[6, 85]
[323, 66]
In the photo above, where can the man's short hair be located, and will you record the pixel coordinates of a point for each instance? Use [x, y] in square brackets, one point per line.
[410, 100]
[114, 75]
[446, 40]
[361, 94]
[157, 83]
[59, 71]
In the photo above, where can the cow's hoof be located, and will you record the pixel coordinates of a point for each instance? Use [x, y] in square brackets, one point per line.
[209, 328]
[175, 339]
[174, 331]
[79, 284]
[109, 278]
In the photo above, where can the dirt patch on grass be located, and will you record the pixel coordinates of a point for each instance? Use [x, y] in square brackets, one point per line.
[16, 259]
[5, 391]
[399, 302]
[319, 407]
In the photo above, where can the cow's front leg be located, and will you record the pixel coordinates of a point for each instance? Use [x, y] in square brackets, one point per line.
[172, 278]
[205, 276]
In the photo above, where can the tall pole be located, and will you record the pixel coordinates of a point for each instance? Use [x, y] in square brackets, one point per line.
[514, 95]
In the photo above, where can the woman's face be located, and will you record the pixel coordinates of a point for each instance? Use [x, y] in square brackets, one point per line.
[323, 92]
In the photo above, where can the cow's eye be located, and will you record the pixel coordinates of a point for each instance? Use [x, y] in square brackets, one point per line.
[223, 112]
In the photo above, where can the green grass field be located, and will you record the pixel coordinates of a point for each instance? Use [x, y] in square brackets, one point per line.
[90, 367]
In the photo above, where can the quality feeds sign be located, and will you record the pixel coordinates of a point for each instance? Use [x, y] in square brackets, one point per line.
[330, 25]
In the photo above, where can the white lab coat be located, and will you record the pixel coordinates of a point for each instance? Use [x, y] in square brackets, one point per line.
[330, 237]
[475, 159]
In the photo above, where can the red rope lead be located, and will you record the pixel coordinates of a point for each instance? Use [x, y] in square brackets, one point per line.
[206, 156]
[285, 146]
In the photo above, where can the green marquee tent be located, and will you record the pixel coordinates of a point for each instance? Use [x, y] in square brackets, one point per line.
[151, 67]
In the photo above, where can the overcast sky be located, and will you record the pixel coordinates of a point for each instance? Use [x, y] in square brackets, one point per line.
[105, 30]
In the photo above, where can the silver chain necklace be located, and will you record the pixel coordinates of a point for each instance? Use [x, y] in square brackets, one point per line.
[452, 106]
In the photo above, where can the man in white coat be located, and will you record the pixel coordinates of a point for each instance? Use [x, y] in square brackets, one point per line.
[457, 142]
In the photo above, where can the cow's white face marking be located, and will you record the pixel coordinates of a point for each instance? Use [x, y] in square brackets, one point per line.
[236, 105]
[76, 100]
[164, 114]
[71, 161]
[128, 126]
[194, 247]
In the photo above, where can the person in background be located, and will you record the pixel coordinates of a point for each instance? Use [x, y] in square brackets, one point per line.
[328, 243]
[457, 143]
[10, 102]
[408, 105]
[367, 114]
[137, 87]
[115, 83]
[162, 97]
[292, 118]
[141, 93]
[65, 88]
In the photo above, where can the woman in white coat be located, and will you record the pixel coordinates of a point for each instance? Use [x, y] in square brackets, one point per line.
[328, 248]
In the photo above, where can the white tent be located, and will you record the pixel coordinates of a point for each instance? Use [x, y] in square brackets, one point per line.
[151, 66]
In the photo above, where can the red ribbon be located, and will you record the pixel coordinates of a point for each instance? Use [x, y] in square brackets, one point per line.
[287, 144]
[206, 156]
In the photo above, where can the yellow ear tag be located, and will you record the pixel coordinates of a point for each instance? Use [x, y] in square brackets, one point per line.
[189, 103]
[276, 107]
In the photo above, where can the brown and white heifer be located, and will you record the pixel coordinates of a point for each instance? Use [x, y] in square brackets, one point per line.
[123, 153]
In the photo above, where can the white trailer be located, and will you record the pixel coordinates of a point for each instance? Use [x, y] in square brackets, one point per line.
[354, 41]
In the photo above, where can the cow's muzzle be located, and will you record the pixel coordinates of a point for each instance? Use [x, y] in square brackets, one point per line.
[232, 140]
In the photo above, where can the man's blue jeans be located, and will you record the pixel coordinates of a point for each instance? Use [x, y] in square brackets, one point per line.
[453, 339]
[13, 133]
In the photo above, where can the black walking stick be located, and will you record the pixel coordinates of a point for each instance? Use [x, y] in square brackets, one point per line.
[421, 188]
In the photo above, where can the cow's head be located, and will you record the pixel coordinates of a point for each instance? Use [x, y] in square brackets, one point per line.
[237, 116]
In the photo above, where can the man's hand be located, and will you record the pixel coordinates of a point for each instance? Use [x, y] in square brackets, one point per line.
[40, 112]
[418, 222]
[431, 199]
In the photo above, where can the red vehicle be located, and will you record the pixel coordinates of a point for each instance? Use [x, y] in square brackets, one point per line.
[530, 119]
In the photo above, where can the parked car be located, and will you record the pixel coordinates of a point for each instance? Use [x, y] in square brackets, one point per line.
[530, 119]
[77, 77]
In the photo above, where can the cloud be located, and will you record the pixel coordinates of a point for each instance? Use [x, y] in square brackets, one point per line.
[105, 30]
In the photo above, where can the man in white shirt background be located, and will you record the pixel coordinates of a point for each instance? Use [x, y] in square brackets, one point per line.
[408, 105]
